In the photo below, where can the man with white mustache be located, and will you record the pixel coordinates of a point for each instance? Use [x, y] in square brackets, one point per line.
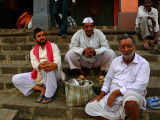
[124, 89]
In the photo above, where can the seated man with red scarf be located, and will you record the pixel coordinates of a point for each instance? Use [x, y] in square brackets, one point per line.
[46, 63]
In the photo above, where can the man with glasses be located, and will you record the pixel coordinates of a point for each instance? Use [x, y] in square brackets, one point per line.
[124, 89]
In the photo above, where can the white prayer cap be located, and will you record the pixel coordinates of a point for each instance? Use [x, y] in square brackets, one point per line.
[88, 20]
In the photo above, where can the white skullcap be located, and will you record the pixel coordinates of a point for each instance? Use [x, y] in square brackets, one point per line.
[88, 20]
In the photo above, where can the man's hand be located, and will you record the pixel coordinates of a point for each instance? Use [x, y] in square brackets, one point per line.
[50, 66]
[113, 96]
[47, 66]
[99, 97]
[42, 65]
[89, 52]
[153, 21]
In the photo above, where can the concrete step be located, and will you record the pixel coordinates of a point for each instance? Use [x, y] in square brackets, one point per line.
[29, 110]
[7, 114]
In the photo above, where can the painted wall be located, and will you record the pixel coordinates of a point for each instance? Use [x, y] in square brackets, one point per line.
[129, 5]
[104, 19]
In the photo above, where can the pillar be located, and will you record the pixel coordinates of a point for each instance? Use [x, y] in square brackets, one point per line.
[41, 15]
[127, 14]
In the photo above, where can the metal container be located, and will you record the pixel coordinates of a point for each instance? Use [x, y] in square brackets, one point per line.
[73, 81]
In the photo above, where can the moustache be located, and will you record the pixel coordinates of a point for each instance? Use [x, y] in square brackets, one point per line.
[42, 39]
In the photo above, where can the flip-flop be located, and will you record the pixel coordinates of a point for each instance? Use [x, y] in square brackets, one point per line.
[151, 103]
[40, 97]
[51, 99]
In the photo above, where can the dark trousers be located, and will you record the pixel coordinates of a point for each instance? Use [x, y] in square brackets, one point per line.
[61, 6]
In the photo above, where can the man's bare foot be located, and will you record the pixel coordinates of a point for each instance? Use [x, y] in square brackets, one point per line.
[81, 72]
[40, 98]
[101, 73]
[151, 42]
[145, 44]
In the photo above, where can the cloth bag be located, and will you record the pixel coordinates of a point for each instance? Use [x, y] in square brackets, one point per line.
[79, 95]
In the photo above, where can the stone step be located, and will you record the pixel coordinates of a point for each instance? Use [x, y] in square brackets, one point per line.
[7, 114]
[20, 48]
[52, 38]
[55, 31]
[7, 70]
[29, 110]
[24, 57]
[153, 88]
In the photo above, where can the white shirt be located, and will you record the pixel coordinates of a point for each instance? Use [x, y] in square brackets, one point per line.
[43, 57]
[142, 12]
[132, 77]
[97, 41]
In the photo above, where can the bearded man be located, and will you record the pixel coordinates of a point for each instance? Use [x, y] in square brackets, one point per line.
[46, 63]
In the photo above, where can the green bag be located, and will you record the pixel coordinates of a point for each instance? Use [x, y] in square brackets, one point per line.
[79, 95]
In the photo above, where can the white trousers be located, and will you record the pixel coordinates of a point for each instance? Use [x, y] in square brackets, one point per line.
[101, 109]
[24, 83]
[143, 28]
[77, 61]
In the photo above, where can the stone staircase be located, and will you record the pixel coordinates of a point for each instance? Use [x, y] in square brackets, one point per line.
[15, 45]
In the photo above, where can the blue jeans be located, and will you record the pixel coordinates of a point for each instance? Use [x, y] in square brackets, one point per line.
[61, 6]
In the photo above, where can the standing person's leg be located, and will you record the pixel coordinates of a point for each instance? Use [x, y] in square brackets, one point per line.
[63, 29]
[50, 81]
[56, 8]
[75, 61]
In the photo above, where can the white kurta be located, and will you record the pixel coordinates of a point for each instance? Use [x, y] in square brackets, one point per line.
[43, 57]
[142, 12]
[24, 83]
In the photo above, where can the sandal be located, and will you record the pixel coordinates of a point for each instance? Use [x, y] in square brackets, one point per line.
[51, 99]
[39, 99]
[152, 103]
[100, 79]
[156, 99]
